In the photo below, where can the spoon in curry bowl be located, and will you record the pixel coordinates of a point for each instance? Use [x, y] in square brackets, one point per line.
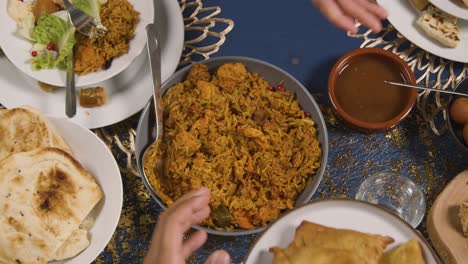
[425, 88]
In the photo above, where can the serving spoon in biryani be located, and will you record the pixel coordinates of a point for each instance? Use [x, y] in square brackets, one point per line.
[154, 54]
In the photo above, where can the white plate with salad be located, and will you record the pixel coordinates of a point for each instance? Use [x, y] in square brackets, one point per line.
[37, 37]
[127, 92]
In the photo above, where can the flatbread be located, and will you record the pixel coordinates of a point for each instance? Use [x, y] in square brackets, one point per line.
[77, 242]
[45, 196]
[24, 129]
[368, 247]
[440, 26]
[408, 253]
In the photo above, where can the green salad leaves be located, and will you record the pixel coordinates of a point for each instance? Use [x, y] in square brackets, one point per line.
[57, 37]
[49, 27]
[90, 7]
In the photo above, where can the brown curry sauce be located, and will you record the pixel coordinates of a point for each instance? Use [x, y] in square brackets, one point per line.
[361, 92]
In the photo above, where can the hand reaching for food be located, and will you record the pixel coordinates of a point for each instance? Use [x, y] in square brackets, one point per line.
[343, 13]
[168, 244]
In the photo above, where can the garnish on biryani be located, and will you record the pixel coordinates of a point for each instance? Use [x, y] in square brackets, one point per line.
[247, 141]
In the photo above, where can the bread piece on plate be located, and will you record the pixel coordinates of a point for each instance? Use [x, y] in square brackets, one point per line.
[465, 2]
[408, 253]
[463, 215]
[75, 243]
[440, 26]
[25, 129]
[45, 196]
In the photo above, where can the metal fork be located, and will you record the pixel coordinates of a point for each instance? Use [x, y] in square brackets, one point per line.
[84, 23]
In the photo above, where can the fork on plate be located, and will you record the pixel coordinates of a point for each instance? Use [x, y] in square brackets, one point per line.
[84, 23]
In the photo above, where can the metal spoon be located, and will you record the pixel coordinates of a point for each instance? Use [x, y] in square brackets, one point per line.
[70, 97]
[426, 88]
[154, 53]
[88, 26]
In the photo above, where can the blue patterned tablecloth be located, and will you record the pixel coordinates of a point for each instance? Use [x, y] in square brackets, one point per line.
[294, 36]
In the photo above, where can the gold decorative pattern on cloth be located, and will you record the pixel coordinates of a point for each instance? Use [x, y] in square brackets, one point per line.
[209, 31]
[432, 70]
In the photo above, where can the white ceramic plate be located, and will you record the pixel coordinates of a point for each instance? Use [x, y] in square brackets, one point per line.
[18, 50]
[453, 7]
[349, 214]
[96, 158]
[128, 92]
[403, 17]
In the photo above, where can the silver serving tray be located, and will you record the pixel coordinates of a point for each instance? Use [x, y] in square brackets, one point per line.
[274, 75]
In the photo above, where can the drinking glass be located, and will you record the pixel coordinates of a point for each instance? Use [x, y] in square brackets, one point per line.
[396, 193]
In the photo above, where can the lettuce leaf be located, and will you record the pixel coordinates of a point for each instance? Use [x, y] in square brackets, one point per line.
[63, 14]
[56, 59]
[45, 59]
[66, 46]
[90, 7]
[49, 27]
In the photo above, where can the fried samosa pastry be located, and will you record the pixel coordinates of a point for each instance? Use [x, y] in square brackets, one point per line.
[304, 255]
[408, 253]
[366, 246]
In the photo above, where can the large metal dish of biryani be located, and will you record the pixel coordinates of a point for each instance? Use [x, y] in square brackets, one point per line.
[245, 129]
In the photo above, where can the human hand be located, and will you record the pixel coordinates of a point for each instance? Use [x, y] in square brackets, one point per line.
[168, 245]
[342, 13]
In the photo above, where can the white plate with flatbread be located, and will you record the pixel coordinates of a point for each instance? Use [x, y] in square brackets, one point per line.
[344, 214]
[58, 189]
[454, 7]
[98, 160]
[128, 92]
[403, 17]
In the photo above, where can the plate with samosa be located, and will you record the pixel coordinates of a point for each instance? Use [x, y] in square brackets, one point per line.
[60, 190]
[341, 231]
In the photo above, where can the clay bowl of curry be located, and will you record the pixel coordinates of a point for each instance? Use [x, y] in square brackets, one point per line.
[359, 95]
[245, 129]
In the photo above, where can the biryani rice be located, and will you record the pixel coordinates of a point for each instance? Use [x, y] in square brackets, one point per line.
[254, 148]
[120, 19]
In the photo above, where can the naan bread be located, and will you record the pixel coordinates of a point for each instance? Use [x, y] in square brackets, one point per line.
[25, 129]
[45, 195]
[367, 247]
[77, 242]
[408, 253]
[440, 26]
